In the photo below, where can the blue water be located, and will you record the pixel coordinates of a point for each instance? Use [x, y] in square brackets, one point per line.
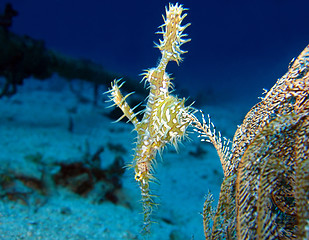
[237, 48]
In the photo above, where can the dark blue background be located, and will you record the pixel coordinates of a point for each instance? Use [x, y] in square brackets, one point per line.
[237, 47]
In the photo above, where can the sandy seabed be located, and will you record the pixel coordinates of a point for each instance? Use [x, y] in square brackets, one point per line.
[47, 119]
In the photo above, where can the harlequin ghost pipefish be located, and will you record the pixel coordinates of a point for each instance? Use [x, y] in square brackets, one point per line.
[163, 118]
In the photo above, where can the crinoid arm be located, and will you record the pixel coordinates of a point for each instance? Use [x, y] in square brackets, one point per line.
[208, 213]
[207, 132]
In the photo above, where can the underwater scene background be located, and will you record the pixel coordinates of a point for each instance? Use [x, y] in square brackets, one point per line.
[251, 42]
[62, 172]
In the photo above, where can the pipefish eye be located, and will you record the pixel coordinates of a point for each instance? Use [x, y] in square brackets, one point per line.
[138, 176]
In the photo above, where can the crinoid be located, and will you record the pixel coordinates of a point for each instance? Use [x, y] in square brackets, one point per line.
[265, 191]
[162, 120]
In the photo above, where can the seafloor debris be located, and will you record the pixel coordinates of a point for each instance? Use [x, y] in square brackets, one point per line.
[82, 176]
